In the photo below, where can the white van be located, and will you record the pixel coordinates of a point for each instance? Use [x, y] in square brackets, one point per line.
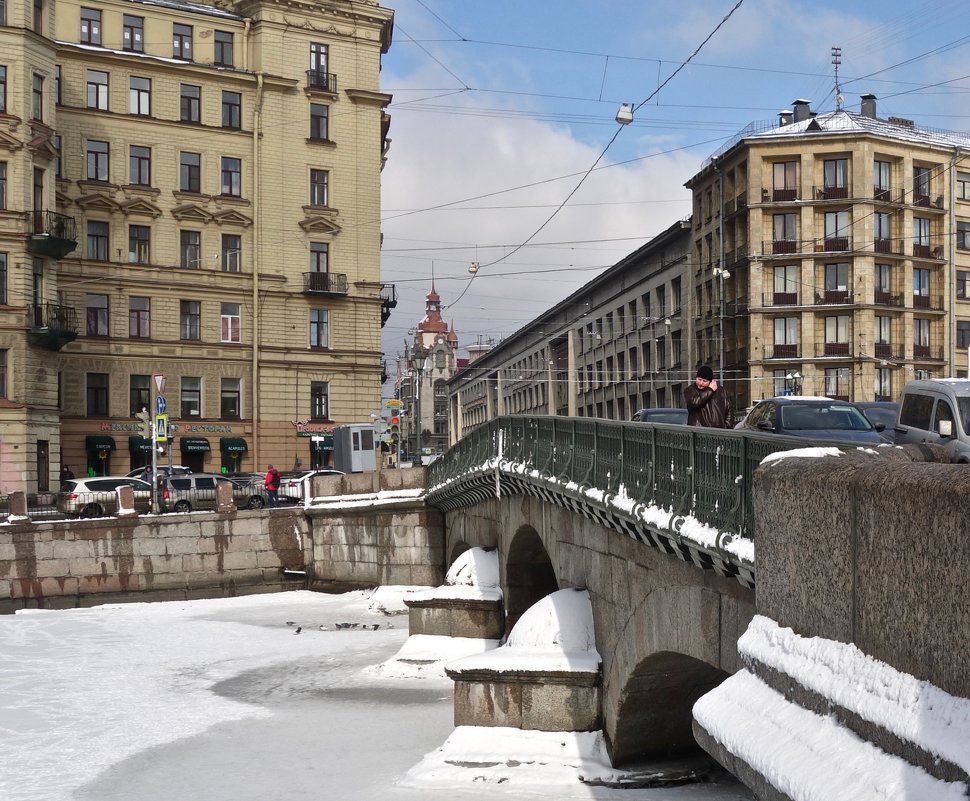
[936, 411]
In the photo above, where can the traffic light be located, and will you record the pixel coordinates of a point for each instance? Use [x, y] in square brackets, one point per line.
[147, 423]
[395, 424]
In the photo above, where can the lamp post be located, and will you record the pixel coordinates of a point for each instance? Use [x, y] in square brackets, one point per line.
[793, 383]
[418, 358]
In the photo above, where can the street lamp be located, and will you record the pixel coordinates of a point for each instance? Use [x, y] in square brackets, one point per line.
[723, 275]
[419, 356]
[793, 383]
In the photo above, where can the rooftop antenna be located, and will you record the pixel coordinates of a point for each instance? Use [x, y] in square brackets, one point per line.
[836, 60]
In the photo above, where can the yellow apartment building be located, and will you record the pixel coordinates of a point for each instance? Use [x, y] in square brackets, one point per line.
[188, 191]
[834, 250]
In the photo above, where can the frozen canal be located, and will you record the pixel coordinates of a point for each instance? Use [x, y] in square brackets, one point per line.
[261, 697]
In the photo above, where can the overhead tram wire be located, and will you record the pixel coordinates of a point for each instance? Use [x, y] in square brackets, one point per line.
[609, 144]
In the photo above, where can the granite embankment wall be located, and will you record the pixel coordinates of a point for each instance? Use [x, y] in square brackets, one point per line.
[347, 542]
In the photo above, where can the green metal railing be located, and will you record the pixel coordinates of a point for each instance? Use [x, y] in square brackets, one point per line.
[686, 470]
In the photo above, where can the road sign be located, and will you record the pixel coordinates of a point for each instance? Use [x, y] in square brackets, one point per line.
[161, 427]
[159, 380]
[161, 404]
[393, 403]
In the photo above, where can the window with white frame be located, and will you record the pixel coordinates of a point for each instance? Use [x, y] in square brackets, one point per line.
[231, 322]
[319, 328]
[191, 396]
[97, 96]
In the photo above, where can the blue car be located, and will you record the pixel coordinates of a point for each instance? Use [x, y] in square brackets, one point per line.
[813, 418]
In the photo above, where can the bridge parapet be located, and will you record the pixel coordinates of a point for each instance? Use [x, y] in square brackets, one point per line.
[682, 489]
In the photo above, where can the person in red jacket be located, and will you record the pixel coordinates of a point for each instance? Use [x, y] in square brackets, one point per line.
[707, 402]
[272, 483]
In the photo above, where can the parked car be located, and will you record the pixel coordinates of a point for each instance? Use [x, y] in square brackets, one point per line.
[163, 470]
[884, 412]
[249, 492]
[936, 411]
[96, 497]
[197, 491]
[671, 415]
[813, 418]
[294, 485]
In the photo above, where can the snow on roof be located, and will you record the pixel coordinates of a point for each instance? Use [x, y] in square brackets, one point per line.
[182, 5]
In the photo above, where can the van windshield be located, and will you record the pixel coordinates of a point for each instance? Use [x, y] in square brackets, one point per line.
[963, 406]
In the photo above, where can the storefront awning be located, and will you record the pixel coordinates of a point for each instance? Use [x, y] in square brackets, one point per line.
[99, 443]
[139, 444]
[233, 445]
[194, 445]
[322, 442]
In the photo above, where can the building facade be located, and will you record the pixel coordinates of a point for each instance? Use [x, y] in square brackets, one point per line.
[621, 343]
[188, 191]
[841, 244]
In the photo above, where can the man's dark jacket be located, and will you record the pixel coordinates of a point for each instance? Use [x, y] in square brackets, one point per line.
[708, 408]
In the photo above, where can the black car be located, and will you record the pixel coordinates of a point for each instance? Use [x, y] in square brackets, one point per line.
[884, 412]
[813, 418]
[667, 416]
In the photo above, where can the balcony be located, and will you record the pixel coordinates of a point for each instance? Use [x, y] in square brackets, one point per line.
[830, 297]
[927, 352]
[735, 257]
[780, 299]
[775, 195]
[835, 245]
[783, 352]
[831, 192]
[883, 298]
[928, 302]
[888, 350]
[51, 326]
[51, 234]
[921, 250]
[840, 349]
[882, 194]
[319, 81]
[325, 284]
[780, 247]
[388, 301]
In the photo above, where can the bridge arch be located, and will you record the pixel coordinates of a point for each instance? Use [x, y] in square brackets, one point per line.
[529, 574]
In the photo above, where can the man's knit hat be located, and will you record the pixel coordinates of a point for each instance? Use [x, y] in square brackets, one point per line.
[705, 372]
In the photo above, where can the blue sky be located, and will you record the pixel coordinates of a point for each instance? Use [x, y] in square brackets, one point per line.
[500, 108]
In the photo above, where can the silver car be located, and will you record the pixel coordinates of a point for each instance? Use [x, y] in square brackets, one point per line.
[197, 491]
[96, 497]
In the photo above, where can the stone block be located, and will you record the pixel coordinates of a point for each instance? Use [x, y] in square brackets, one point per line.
[268, 559]
[488, 704]
[108, 583]
[560, 707]
[71, 549]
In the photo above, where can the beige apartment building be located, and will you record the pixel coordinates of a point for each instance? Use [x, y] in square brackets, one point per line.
[189, 191]
[844, 264]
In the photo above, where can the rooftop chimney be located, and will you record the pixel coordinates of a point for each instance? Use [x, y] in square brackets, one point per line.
[785, 117]
[869, 106]
[802, 109]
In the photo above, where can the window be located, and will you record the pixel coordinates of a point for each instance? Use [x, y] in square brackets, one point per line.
[882, 225]
[231, 322]
[139, 96]
[837, 331]
[231, 176]
[319, 328]
[786, 283]
[3, 88]
[921, 282]
[786, 336]
[963, 235]
[97, 315]
[97, 394]
[921, 231]
[883, 278]
[883, 384]
[230, 398]
[140, 165]
[784, 180]
[319, 121]
[190, 319]
[319, 256]
[3, 12]
[835, 174]
[139, 317]
[190, 172]
[837, 229]
[190, 248]
[190, 102]
[837, 382]
[97, 96]
[881, 175]
[56, 144]
[97, 160]
[3, 278]
[963, 284]
[836, 277]
[191, 397]
[317, 77]
[963, 186]
[57, 83]
[90, 26]
[37, 98]
[884, 330]
[231, 253]
[232, 110]
[38, 16]
[921, 186]
[3, 184]
[182, 41]
[963, 335]
[97, 240]
[319, 400]
[921, 335]
[783, 227]
[139, 242]
[223, 49]
[133, 33]
[139, 393]
[319, 183]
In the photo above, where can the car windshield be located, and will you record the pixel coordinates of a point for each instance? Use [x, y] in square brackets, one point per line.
[664, 417]
[963, 405]
[822, 416]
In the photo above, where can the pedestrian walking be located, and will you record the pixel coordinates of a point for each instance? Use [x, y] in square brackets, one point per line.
[272, 483]
[707, 402]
